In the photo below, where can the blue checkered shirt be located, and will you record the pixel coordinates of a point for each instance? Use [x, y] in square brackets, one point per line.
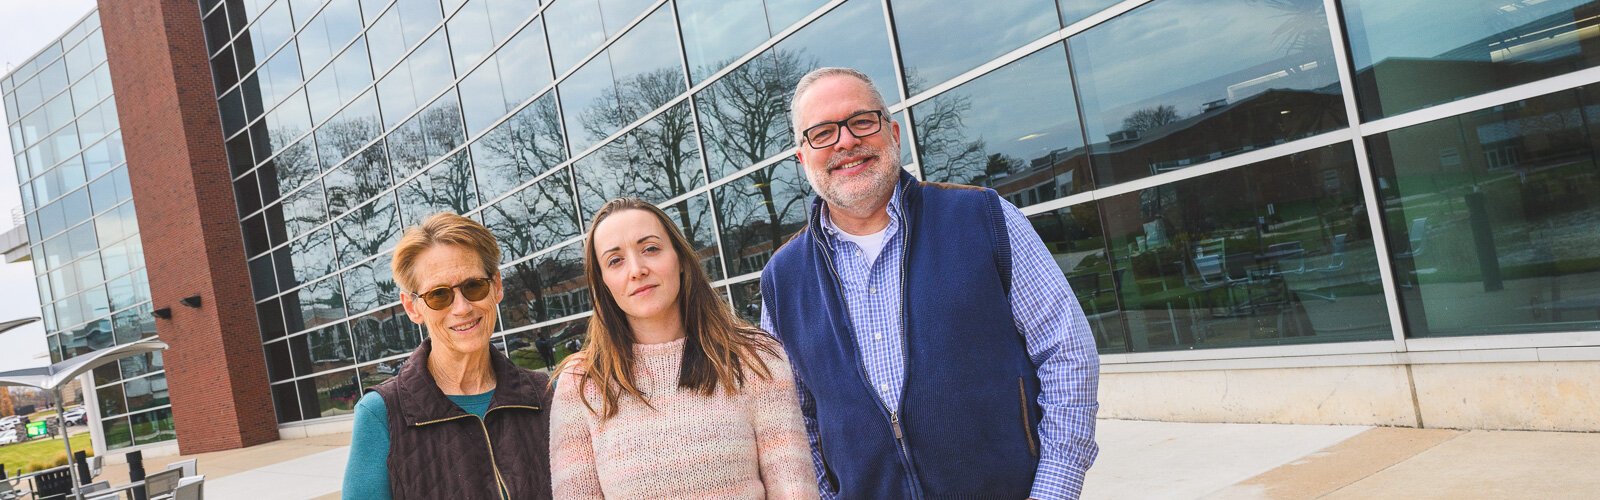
[1048, 316]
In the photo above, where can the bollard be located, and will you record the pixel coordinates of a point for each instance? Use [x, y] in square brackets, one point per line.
[82, 461]
[136, 472]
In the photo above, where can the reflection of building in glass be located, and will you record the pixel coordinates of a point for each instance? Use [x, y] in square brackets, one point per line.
[1208, 194]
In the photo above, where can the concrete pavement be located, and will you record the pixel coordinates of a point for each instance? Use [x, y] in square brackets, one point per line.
[1138, 460]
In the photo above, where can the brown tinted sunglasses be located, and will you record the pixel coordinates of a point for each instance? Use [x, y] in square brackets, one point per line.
[440, 298]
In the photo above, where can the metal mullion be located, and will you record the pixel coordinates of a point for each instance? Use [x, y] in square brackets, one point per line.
[1369, 190]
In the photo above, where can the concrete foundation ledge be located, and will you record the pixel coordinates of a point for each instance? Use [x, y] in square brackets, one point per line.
[119, 457]
[1535, 396]
[1542, 396]
[321, 427]
[1341, 395]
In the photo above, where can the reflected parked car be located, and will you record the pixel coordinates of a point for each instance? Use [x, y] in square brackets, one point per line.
[9, 436]
[76, 416]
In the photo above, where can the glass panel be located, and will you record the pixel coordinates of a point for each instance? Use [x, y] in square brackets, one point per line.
[744, 116]
[747, 300]
[411, 84]
[286, 402]
[383, 334]
[401, 27]
[937, 43]
[261, 277]
[1270, 253]
[515, 72]
[446, 186]
[853, 25]
[1015, 130]
[588, 96]
[524, 146]
[304, 210]
[269, 315]
[1491, 216]
[110, 398]
[350, 130]
[759, 212]
[366, 231]
[656, 162]
[320, 303]
[349, 74]
[154, 427]
[1074, 237]
[576, 23]
[693, 217]
[551, 286]
[369, 285]
[374, 374]
[1269, 78]
[534, 218]
[313, 257]
[272, 28]
[325, 349]
[293, 167]
[542, 348]
[715, 32]
[357, 180]
[146, 393]
[336, 394]
[428, 136]
[1464, 49]
[338, 22]
[141, 364]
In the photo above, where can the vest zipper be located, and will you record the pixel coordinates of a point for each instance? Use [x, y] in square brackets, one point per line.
[894, 416]
[505, 492]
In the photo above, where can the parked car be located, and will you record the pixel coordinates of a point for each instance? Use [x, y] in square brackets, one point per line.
[8, 436]
[76, 416]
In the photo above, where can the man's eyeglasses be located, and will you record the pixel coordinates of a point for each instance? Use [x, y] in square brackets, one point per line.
[440, 298]
[860, 125]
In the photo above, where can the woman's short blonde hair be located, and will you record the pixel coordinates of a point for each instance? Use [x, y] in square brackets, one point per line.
[443, 228]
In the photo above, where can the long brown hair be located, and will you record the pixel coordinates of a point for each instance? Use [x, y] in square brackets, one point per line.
[719, 346]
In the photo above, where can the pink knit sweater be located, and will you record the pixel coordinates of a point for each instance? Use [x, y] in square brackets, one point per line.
[746, 445]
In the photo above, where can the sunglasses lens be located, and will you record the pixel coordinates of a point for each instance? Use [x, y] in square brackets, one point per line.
[439, 298]
[475, 290]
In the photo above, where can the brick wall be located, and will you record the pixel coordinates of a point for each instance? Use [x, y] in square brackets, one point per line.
[216, 371]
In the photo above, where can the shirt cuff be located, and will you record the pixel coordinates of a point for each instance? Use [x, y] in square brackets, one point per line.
[1057, 480]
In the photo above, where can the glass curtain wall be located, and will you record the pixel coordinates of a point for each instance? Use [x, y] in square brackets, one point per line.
[84, 238]
[347, 120]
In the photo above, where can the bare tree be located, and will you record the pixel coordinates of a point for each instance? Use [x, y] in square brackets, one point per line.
[1150, 118]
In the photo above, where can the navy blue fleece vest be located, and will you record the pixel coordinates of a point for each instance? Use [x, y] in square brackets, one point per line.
[969, 414]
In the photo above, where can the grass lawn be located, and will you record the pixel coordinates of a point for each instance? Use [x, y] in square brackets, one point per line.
[39, 451]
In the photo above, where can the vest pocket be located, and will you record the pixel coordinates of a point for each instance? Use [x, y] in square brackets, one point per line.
[1027, 418]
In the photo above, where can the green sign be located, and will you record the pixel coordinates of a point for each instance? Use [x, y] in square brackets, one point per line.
[36, 429]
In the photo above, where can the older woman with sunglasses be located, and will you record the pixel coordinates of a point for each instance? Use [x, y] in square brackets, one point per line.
[459, 420]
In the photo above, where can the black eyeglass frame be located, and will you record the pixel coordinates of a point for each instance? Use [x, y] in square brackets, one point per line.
[488, 285]
[878, 120]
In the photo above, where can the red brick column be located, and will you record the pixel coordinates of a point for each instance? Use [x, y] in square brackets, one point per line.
[216, 371]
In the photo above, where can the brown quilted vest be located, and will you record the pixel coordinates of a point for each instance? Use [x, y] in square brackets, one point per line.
[438, 450]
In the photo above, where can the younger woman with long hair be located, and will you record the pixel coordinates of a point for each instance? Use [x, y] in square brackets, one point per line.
[673, 396]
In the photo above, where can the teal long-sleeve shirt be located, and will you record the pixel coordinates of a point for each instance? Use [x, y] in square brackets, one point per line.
[366, 474]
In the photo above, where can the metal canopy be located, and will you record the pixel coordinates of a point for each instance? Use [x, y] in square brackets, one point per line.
[56, 375]
[7, 326]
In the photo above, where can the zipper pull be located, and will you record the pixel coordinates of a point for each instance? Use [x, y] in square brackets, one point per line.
[894, 422]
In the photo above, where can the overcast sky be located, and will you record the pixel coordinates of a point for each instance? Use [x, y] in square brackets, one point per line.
[25, 27]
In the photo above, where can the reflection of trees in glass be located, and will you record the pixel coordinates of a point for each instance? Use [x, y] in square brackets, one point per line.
[746, 113]
[760, 211]
[293, 166]
[536, 217]
[367, 230]
[524, 146]
[429, 135]
[343, 135]
[1150, 118]
[947, 154]
[364, 176]
[655, 161]
[447, 185]
[546, 288]
[1304, 29]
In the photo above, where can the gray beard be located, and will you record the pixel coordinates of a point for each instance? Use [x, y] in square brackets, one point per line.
[880, 182]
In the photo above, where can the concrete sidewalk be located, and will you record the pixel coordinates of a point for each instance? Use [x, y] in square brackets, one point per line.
[1138, 460]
